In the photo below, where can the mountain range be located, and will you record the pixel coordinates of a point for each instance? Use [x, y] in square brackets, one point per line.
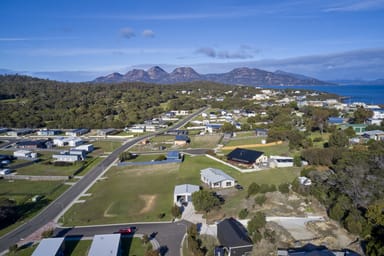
[238, 76]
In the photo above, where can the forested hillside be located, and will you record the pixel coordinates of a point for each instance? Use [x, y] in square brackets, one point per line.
[32, 102]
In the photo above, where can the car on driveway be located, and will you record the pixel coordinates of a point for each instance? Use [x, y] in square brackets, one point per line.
[239, 187]
[126, 231]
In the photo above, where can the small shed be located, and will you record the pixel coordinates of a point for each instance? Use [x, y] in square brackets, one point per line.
[173, 155]
[183, 193]
[181, 140]
[259, 132]
[105, 245]
[50, 246]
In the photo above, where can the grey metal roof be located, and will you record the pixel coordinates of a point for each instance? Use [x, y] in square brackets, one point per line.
[215, 175]
[48, 246]
[185, 189]
[105, 245]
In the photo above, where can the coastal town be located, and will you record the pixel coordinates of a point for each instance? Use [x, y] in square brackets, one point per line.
[225, 181]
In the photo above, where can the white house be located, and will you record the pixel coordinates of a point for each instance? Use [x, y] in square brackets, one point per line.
[50, 246]
[66, 158]
[183, 193]
[25, 154]
[87, 147]
[280, 161]
[105, 245]
[216, 178]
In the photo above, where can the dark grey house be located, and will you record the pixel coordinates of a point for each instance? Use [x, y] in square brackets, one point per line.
[233, 238]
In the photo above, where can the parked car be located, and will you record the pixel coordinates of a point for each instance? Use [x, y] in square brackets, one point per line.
[129, 230]
[239, 187]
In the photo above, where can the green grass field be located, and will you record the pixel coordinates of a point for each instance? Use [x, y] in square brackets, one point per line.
[22, 191]
[206, 141]
[244, 141]
[142, 193]
[104, 147]
[281, 149]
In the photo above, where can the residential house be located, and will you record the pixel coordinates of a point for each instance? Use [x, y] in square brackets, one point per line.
[105, 245]
[71, 141]
[233, 237]
[181, 140]
[280, 161]
[50, 246]
[377, 135]
[333, 120]
[358, 128]
[3, 130]
[211, 128]
[34, 144]
[86, 147]
[378, 113]
[247, 157]
[216, 178]
[77, 132]
[20, 132]
[81, 153]
[24, 154]
[183, 193]
[105, 132]
[177, 132]
[174, 155]
[137, 129]
[66, 157]
[180, 112]
[48, 132]
[261, 132]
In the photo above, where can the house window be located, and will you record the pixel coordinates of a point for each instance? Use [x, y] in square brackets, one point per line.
[228, 184]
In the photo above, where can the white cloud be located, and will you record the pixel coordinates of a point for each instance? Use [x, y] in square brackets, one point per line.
[148, 33]
[244, 52]
[362, 5]
[127, 33]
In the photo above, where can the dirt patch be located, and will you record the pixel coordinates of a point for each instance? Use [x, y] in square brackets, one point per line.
[149, 202]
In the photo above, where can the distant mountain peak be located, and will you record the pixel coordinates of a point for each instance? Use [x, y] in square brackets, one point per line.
[242, 75]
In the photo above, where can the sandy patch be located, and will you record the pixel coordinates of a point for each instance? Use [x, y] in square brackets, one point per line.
[149, 202]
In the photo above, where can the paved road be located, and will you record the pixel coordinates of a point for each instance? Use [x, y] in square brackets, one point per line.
[168, 235]
[56, 207]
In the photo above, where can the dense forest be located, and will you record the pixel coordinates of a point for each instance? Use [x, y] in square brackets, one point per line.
[34, 103]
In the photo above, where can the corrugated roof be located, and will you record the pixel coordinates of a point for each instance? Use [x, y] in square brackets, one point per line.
[231, 233]
[105, 245]
[48, 246]
[244, 155]
[185, 189]
[215, 175]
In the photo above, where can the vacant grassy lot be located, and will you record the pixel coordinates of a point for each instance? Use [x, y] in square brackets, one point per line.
[205, 141]
[244, 141]
[128, 194]
[280, 149]
[103, 147]
[144, 193]
[21, 192]
[46, 168]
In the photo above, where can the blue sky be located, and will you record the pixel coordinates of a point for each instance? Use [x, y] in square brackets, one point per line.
[78, 40]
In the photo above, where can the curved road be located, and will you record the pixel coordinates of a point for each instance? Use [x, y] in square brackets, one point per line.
[56, 207]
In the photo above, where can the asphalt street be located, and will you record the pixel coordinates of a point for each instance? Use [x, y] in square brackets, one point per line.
[56, 207]
[168, 235]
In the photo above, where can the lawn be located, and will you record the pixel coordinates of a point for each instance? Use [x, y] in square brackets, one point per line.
[244, 141]
[45, 168]
[128, 194]
[21, 192]
[103, 147]
[205, 141]
[143, 193]
[280, 149]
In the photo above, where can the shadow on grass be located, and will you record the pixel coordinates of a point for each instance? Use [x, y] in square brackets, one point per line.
[126, 242]
[70, 244]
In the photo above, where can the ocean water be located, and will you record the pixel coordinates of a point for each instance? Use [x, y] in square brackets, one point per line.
[369, 94]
